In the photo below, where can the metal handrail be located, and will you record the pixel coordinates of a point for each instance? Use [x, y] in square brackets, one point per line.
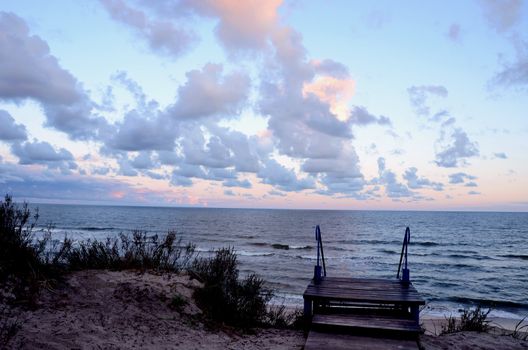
[403, 256]
[320, 247]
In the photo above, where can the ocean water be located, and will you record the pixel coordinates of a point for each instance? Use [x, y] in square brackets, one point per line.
[456, 259]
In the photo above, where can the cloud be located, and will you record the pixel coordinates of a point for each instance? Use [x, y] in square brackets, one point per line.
[336, 92]
[458, 178]
[29, 71]
[458, 147]
[43, 153]
[143, 161]
[514, 74]
[500, 155]
[9, 130]
[393, 188]
[161, 35]
[419, 94]
[237, 183]
[241, 24]
[339, 175]
[208, 93]
[24, 182]
[331, 68]
[360, 116]
[502, 15]
[275, 174]
[148, 128]
[471, 184]
[453, 32]
[140, 131]
[474, 193]
[415, 182]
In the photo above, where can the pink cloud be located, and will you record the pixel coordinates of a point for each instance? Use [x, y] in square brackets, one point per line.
[333, 91]
[242, 24]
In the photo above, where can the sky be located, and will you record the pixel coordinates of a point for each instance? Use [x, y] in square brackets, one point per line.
[266, 103]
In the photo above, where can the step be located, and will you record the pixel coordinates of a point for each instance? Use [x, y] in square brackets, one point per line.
[320, 341]
[372, 324]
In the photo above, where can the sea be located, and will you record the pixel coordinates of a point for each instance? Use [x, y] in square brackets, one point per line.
[456, 259]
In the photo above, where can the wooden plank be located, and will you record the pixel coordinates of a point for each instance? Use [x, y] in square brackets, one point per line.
[323, 289]
[364, 284]
[368, 322]
[372, 298]
[321, 341]
[358, 294]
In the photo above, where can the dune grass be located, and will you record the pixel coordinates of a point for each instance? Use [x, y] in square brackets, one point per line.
[136, 251]
[473, 320]
[29, 259]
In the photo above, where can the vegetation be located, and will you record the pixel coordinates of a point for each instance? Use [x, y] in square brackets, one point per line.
[25, 261]
[230, 300]
[30, 259]
[224, 297]
[521, 330]
[138, 251]
[474, 320]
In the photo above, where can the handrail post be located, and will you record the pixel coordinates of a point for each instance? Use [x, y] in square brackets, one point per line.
[320, 254]
[403, 258]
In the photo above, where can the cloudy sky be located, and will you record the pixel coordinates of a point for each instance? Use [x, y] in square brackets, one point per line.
[266, 103]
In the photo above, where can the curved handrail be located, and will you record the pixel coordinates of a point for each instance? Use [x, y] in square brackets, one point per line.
[320, 247]
[403, 256]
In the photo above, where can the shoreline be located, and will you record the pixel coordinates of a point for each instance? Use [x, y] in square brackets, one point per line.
[433, 324]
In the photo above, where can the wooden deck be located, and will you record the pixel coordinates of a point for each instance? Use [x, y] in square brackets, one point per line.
[359, 313]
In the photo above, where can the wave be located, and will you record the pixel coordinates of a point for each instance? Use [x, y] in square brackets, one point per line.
[426, 243]
[300, 247]
[244, 253]
[515, 256]
[281, 246]
[489, 303]
[388, 251]
[90, 228]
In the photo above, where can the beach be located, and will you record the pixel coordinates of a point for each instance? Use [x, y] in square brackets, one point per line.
[132, 310]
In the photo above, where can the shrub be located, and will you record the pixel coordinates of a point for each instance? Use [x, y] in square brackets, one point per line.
[178, 302]
[279, 317]
[224, 297]
[520, 330]
[473, 320]
[24, 260]
[138, 251]
[27, 261]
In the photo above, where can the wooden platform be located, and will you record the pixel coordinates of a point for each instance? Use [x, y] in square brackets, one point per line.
[359, 313]
[319, 341]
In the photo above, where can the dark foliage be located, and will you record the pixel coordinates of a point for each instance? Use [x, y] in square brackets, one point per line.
[470, 320]
[227, 299]
[138, 251]
[521, 330]
[26, 261]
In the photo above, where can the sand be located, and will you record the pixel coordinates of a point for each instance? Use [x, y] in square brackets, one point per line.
[128, 310]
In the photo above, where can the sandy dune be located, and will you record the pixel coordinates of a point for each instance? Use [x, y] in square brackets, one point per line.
[126, 310]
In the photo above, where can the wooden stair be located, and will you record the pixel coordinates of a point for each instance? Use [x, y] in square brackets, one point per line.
[319, 340]
[367, 324]
[353, 313]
